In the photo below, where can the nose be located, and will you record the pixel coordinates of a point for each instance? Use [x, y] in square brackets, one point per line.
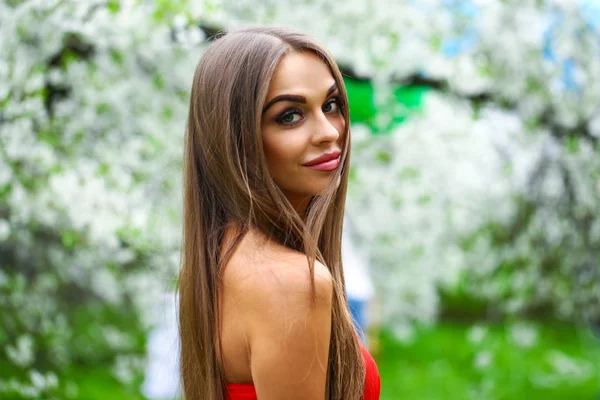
[324, 130]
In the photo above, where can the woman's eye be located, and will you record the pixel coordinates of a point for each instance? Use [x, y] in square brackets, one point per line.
[332, 106]
[290, 118]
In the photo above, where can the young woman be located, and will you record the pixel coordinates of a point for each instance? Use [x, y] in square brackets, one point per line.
[263, 311]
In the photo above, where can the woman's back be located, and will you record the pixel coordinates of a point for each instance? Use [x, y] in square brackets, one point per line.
[272, 335]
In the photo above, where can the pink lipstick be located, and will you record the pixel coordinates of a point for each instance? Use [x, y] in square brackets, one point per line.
[325, 162]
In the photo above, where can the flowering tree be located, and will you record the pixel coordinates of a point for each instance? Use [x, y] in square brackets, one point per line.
[93, 99]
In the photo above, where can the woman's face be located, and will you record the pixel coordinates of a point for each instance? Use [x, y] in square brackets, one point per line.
[302, 126]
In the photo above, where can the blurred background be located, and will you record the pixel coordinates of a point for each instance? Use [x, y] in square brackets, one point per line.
[473, 213]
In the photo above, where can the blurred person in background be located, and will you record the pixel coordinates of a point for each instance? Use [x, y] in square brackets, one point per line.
[359, 285]
[263, 311]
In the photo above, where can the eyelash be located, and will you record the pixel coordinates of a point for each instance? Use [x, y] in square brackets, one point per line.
[294, 110]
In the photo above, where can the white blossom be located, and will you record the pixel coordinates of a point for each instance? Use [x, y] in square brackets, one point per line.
[523, 335]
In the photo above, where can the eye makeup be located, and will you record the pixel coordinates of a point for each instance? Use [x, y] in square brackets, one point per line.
[284, 117]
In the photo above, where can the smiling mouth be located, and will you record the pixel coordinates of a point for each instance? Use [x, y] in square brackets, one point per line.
[328, 165]
[325, 162]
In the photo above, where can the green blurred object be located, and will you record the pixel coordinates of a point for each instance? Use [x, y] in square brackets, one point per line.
[99, 384]
[405, 101]
[92, 383]
[441, 363]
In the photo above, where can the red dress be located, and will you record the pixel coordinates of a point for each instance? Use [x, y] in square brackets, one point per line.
[245, 391]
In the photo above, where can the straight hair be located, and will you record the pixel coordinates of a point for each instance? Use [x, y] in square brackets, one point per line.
[227, 183]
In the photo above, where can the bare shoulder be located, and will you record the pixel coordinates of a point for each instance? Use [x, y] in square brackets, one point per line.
[288, 332]
[270, 272]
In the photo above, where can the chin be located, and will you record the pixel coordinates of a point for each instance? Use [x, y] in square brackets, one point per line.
[319, 190]
[312, 187]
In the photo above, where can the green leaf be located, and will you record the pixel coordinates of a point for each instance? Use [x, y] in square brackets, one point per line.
[102, 108]
[117, 57]
[409, 173]
[572, 144]
[158, 81]
[113, 6]
[424, 200]
[383, 156]
[103, 169]
[68, 239]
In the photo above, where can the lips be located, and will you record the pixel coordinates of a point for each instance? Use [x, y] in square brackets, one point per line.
[325, 162]
[323, 158]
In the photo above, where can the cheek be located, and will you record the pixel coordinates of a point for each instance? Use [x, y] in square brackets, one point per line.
[283, 149]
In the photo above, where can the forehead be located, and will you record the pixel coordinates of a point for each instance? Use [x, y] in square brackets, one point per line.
[301, 73]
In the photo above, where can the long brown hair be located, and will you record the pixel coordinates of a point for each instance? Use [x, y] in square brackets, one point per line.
[227, 183]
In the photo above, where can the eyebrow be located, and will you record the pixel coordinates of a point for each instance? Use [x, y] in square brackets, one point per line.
[295, 98]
